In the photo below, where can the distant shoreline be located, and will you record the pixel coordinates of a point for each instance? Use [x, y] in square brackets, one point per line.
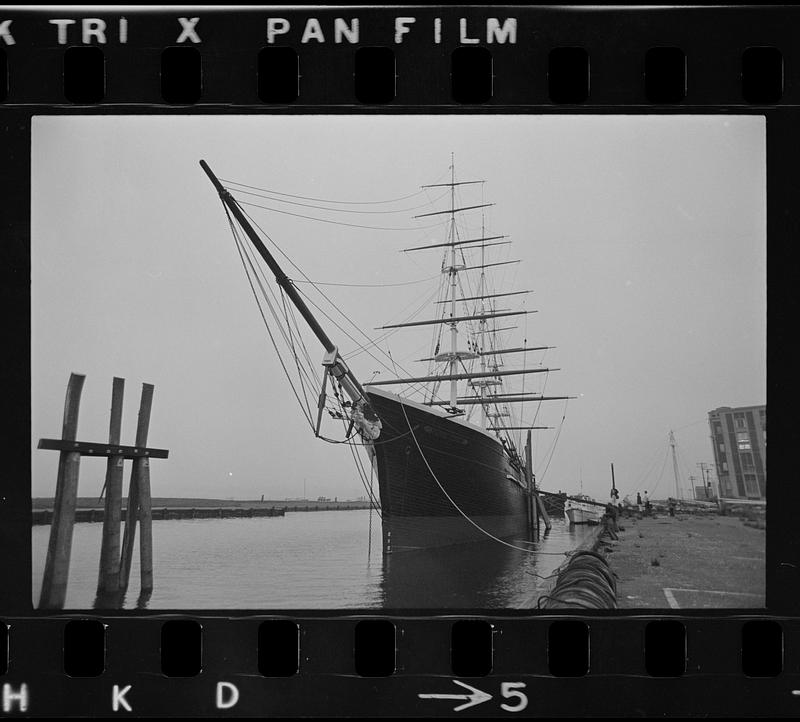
[92, 502]
[164, 508]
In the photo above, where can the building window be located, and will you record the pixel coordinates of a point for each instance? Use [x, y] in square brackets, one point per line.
[721, 446]
[743, 440]
[717, 427]
[747, 461]
[739, 423]
[751, 486]
[724, 466]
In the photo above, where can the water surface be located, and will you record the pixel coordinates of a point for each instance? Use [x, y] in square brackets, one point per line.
[314, 560]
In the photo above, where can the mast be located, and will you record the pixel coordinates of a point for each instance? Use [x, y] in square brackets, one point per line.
[482, 291]
[678, 494]
[453, 288]
[333, 361]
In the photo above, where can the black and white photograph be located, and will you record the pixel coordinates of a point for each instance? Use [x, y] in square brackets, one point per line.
[384, 362]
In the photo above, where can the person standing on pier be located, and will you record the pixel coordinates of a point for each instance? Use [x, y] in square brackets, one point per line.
[639, 502]
[646, 504]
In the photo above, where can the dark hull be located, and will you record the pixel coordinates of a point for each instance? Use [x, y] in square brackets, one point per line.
[421, 459]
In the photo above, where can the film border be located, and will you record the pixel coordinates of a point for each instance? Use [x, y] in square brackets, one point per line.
[616, 39]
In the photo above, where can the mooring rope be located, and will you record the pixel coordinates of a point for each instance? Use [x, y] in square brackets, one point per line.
[586, 582]
[369, 542]
[458, 508]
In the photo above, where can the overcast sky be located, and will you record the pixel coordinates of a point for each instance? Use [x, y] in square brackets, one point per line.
[642, 237]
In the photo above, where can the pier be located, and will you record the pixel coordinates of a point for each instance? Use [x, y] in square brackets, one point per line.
[92, 510]
[697, 559]
[689, 561]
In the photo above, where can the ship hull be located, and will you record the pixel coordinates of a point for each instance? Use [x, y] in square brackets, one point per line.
[443, 482]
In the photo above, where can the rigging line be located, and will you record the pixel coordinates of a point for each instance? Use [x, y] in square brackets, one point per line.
[337, 210]
[374, 342]
[450, 499]
[362, 474]
[347, 333]
[366, 285]
[649, 468]
[392, 359]
[328, 200]
[306, 372]
[682, 463]
[544, 386]
[294, 352]
[300, 271]
[522, 409]
[359, 466]
[266, 324]
[374, 503]
[301, 371]
[267, 288]
[357, 461]
[374, 442]
[555, 441]
[688, 471]
[310, 365]
[339, 223]
[369, 532]
[663, 466]
[334, 306]
[361, 471]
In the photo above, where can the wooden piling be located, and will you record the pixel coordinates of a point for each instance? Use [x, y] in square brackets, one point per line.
[145, 501]
[146, 526]
[139, 504]
[533, 519]
[538, 507]
[129, 536]
[56, 571]
[108, 579]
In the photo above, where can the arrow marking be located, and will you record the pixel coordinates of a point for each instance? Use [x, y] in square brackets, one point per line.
[476, 696]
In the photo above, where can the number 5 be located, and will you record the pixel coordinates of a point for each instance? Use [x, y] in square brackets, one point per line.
[507, 689]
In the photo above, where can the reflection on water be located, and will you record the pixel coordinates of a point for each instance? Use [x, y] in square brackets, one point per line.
[487, 575]
[313, 560]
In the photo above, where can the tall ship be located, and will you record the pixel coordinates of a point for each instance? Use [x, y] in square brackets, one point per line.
[446, 445]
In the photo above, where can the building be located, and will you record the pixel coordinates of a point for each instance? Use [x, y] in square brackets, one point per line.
[739, 438]
[705, 493]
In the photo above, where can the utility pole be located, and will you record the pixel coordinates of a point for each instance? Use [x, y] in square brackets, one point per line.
[705, 470]
[692, 479]
[678, 494]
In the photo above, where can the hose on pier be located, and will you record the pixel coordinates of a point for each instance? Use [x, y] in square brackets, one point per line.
[586, 582]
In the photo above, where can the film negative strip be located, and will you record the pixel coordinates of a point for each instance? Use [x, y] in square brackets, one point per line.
[513, 258]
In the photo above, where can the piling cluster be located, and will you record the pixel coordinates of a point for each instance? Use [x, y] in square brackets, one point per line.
[116, 554]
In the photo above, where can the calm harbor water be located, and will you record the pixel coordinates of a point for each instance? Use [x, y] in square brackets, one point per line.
[313, 560]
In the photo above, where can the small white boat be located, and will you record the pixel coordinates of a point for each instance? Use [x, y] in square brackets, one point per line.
[579, 512]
